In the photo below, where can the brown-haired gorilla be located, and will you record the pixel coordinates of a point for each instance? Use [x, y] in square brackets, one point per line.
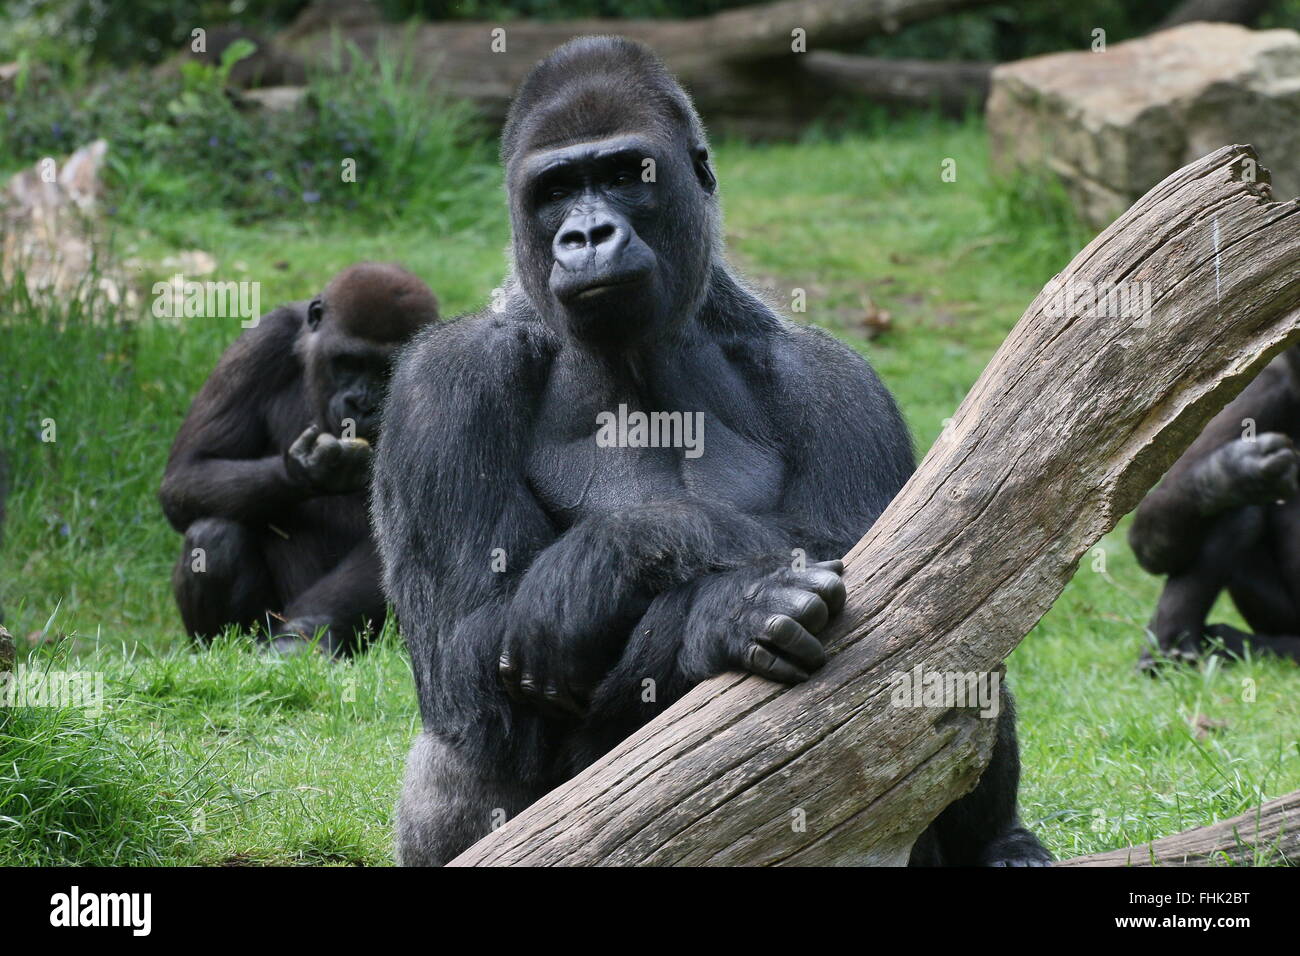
[1227, 515]
[546, 578]
[267, 476]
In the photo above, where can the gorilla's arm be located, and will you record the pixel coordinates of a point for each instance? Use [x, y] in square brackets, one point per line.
[580, 597]
[1219, 472]
[456, 522]
[224, 462]
[849, 454]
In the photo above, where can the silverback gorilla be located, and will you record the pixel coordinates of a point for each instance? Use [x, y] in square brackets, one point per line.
[558, 588]
[267, 476]
[1227, 516]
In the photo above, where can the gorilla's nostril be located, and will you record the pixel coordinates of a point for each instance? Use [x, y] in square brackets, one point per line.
[601, 233]
[573, 240]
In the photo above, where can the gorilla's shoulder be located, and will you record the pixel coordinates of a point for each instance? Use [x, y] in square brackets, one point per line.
[480, 349]
[264, 352]
[283, 323]
[814, 353]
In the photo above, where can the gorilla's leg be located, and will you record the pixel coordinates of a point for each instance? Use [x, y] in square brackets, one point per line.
[447, 804]
[1179, 623]
[1235, 642]
[221, 578]
[983, 827]
[339, 607]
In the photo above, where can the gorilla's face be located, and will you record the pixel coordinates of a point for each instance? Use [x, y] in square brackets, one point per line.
[347, 377]
[613, 235]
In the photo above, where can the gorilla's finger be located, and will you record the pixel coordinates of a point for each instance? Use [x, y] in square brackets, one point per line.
[325, 442]
[531, 689]
[302, 445]
[802, 604]
[829, 586]
[784, 635]
[837, 566]
[563, 700]
[1272, 441]
[759, 660]
[508, 670]
[328, 451]
[1276, 463]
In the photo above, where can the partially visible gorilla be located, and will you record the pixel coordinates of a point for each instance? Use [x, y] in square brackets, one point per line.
[268, 474]
[1227, 516]
[558, 585]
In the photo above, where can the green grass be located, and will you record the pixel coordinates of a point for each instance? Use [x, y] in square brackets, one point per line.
[221, 756]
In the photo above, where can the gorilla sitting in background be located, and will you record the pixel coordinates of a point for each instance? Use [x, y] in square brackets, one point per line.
[1227, 516]
[548, 568]
[267, 476]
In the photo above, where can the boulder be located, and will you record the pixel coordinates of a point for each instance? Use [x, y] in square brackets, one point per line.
[49, 226]
[1112, 124]
[8, 652]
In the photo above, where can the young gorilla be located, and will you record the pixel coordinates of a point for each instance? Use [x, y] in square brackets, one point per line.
[1227, 515]
[267, 476]
[543, 578]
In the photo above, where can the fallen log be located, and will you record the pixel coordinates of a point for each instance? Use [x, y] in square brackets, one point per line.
[739, 64]
[953, 86]
[1268, 834]
[1074, 419]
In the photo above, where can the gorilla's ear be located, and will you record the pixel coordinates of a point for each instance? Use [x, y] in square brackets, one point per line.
[315, 312]
[703, 171]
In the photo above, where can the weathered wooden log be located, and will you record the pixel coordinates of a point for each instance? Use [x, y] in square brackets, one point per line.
[953, 86]
[1268, 834]
[1073, 420]
[738, 64]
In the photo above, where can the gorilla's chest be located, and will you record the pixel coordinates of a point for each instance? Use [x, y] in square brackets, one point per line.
[628, 457]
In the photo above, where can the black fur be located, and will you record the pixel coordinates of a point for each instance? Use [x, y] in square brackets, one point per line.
[1227, 516]
[626, 568]
[277, 535]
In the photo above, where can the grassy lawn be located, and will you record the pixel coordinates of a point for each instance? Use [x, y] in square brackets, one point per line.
[223, 756]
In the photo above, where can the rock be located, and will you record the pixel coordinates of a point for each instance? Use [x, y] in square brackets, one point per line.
[48, 223]
[8, 653]
[275, 99]
[1113, 124]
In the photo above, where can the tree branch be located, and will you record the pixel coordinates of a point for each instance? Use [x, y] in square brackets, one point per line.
[1268, 834]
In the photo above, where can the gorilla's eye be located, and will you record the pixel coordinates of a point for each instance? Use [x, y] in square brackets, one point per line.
[556, 193]
[348, 365]
[624, 178]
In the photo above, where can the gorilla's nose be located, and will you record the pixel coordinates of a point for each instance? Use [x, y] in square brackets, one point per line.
[585, 238]
[359, 405]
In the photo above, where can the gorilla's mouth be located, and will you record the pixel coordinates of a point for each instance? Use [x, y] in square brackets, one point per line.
[604, 286]
[595, 288]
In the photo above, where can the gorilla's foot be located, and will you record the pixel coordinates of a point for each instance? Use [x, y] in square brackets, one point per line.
[303, 635]
[1158, 654]
[1016, 847]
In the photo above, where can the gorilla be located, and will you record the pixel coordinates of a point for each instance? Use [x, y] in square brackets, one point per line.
[1227, 516]
[267, 476]
[565, 555]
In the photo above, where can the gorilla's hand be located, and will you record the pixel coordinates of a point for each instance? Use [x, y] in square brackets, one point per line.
[772, 632]
[325, 465]
[553, 668]
[1245, 472]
